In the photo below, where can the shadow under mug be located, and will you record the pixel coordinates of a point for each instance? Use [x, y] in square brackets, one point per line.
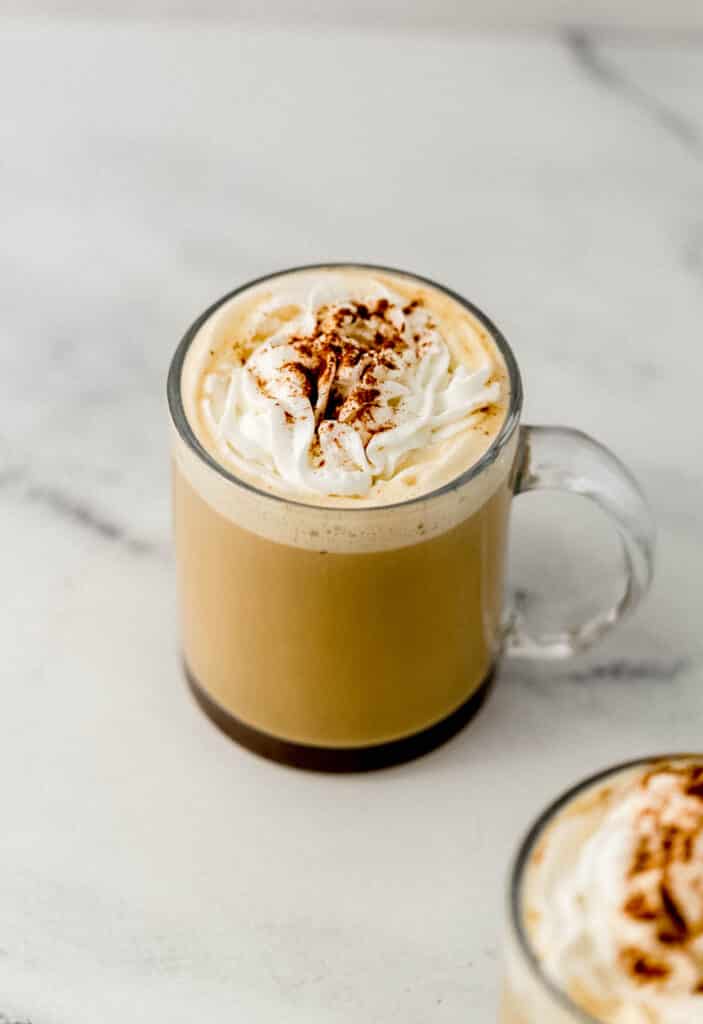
[344, 639]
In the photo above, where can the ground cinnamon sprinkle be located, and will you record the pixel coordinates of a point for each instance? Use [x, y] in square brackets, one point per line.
[641, 967]
[664, 848]
[343, 339]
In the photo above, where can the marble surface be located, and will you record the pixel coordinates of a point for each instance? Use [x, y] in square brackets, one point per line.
[150, 870]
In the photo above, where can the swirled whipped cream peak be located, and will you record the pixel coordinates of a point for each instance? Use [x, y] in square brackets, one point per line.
[345, 384]
[614, 897]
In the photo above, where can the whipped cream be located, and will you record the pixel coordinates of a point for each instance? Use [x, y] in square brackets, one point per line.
[614, 904]
[331, 383]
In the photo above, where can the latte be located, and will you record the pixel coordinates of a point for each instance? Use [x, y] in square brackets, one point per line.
[342, 481]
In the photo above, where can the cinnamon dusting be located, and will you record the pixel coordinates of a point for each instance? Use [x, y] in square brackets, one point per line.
[336, 363]
[642, 967]
[663, 849]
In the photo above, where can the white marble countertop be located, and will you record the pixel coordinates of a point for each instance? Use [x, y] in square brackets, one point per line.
[149, 869]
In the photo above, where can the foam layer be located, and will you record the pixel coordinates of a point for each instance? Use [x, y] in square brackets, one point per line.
[614, 897]
[345, 387]
[344, 530]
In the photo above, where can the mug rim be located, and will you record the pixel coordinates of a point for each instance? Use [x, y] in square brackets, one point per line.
[188, 436]
[521, 859]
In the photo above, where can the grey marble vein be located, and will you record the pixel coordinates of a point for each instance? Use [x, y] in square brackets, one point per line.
[584, 47]
[80, 512]
[76, 510]
[645, 670]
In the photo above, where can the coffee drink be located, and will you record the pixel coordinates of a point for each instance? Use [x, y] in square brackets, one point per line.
[342, 465]
[346, 446]
[610, 903]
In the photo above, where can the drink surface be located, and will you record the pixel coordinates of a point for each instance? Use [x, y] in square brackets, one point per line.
[345, 387]
[613, 897]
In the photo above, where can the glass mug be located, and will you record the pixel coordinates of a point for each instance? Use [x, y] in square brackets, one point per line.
[344, 639]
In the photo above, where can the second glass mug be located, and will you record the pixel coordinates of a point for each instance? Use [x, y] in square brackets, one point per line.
[344, 639]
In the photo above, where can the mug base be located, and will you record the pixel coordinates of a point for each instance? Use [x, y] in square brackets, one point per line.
[340, 759]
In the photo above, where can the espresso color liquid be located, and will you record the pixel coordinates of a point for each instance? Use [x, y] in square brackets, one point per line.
[345, 649]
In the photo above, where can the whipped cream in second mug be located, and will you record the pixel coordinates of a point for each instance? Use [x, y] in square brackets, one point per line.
[613, 897]
[345, 383]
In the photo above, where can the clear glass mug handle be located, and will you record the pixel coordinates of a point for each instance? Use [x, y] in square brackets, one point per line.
[560, 459]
